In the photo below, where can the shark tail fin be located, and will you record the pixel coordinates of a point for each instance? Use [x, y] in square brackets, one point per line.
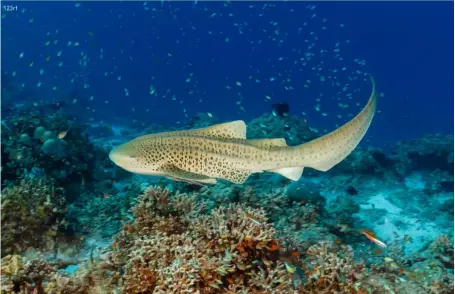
[327, 151]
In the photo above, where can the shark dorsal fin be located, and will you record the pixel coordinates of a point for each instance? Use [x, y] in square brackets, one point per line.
[230, 130]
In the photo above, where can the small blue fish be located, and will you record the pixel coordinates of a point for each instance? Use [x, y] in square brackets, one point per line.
[37, 171]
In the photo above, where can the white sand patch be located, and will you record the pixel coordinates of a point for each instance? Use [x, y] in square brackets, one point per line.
[397, 222]
[415, 181]
[379, 201]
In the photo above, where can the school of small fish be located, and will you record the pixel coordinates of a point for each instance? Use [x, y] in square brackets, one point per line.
[301, 69]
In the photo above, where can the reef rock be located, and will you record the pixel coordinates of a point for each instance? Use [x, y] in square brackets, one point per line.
[427, 153]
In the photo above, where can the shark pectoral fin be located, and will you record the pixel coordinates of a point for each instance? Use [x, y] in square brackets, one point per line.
[174, 172]
[231, 130]
[268, 143]
[206, 181]
[198, 182]
[292, 173]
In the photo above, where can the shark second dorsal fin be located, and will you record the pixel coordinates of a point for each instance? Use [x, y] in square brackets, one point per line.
[268, 143]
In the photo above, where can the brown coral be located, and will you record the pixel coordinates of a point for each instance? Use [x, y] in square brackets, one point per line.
[332, 269]
[19, 274]
[172, 248]
[32, 214]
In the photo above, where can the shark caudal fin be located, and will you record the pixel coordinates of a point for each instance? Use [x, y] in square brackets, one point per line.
[327, 151]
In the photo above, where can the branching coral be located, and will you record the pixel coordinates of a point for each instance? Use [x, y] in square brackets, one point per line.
[442, 244]
[443, 250]
[19, 275]
[172, 248]
[32, 214]
[174, 245]
[332, 269]
[273, 201]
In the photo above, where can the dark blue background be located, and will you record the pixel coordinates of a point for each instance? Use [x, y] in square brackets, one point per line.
[408, 47]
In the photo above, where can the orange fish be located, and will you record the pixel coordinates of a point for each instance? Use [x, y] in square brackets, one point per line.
[274, 247]
[295, 253]
[371, 236]
[106, 195]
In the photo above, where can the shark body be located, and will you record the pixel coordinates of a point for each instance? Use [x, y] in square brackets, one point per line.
[223, 152]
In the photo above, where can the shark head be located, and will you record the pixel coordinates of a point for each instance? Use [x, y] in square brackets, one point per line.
[124, 156]
[130, 158]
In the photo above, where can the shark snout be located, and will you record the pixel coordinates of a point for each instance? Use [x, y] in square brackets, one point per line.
[113, 156]
[123, 155]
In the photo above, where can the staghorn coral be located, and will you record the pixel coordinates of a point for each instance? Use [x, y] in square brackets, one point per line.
[442, 248]
[432, 276]
[332, 269]
[35, 275]
[274, 201]
[175, 245]
[410, 287]
[442, 244]
[21, 275]
[172, 248]
[32, 215]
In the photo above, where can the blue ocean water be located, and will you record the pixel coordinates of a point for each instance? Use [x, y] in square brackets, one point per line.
[194, 51]
[80, 78]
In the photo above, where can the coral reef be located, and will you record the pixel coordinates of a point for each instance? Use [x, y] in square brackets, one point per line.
[174, 244]
[52, 145]
[32, 216]
[170, 247]
[333, 269]
[269, 235]
[22, 275]
[427, 153]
